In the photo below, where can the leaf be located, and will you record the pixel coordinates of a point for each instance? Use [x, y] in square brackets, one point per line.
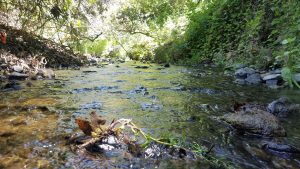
[84, 125]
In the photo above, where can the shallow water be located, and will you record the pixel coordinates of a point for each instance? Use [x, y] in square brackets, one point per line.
[179, 101]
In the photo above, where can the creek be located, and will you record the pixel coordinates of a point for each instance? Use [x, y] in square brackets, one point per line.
[176, 101]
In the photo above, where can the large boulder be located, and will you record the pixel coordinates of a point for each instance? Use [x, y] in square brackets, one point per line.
[255, 121]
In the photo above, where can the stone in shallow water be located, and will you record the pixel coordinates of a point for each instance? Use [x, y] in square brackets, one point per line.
[282, 150]
[255, 121]
[92, 105]
[102, 88]
[17, 76]
[282, 107]
[151, 107]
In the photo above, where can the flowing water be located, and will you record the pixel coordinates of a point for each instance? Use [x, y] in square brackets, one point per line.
[179, 102]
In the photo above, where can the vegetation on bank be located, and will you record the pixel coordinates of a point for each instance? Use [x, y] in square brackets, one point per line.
[262, 34]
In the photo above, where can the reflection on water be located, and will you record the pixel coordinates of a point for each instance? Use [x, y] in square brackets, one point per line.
[176, 100]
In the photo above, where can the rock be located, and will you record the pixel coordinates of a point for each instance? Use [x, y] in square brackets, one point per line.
[46, 73]
[167, 65]
[12, 85]
[89, 71]
[141, 67]
[139, 89]
[244, 72]
[240, 81]
[2, 77]
[253, 79]
[18, 69]
[279, 149]
[297, 77]
[93, 105]
[271, 77]
[272, 83]
[150, 107]
[282, 107]
[255, 122]
[17, 76]
[102, 88]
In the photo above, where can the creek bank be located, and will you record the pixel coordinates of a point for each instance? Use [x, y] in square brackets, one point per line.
[249, 76]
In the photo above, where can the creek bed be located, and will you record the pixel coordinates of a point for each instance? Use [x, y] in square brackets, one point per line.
[177, 101]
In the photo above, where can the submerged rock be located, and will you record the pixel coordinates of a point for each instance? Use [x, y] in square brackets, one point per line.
[255, 121]
[92, 105]
[12, 85]
[282, 107]
[139, 89]
[141, 67]
[151, 107]
[282, 150]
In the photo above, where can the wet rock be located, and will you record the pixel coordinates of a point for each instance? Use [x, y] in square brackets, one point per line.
[155, 151]
[282, 150]
[272, 83]
[92, 105]
[18, 69]
[141, 67]
[167, 65]
[253, 79]
[151, 107]
[139, 89]
[17, 76]
[46, 73]
[255, 122]
[282, 107]
[102, 88]
[89, 71]
[150, 79]
[244, 72]
[82, 90]
[240, 81]
[11, 85]
[271, 77]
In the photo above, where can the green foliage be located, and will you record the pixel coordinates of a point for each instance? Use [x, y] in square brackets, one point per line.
[66, 21]
[97, 47]
[170, 52]
[140, 52]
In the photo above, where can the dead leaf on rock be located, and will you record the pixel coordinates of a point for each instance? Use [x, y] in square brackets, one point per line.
[85, 126]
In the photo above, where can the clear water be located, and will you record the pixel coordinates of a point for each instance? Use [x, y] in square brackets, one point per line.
[33, 137]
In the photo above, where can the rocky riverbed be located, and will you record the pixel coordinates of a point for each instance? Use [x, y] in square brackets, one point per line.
[170, 100]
